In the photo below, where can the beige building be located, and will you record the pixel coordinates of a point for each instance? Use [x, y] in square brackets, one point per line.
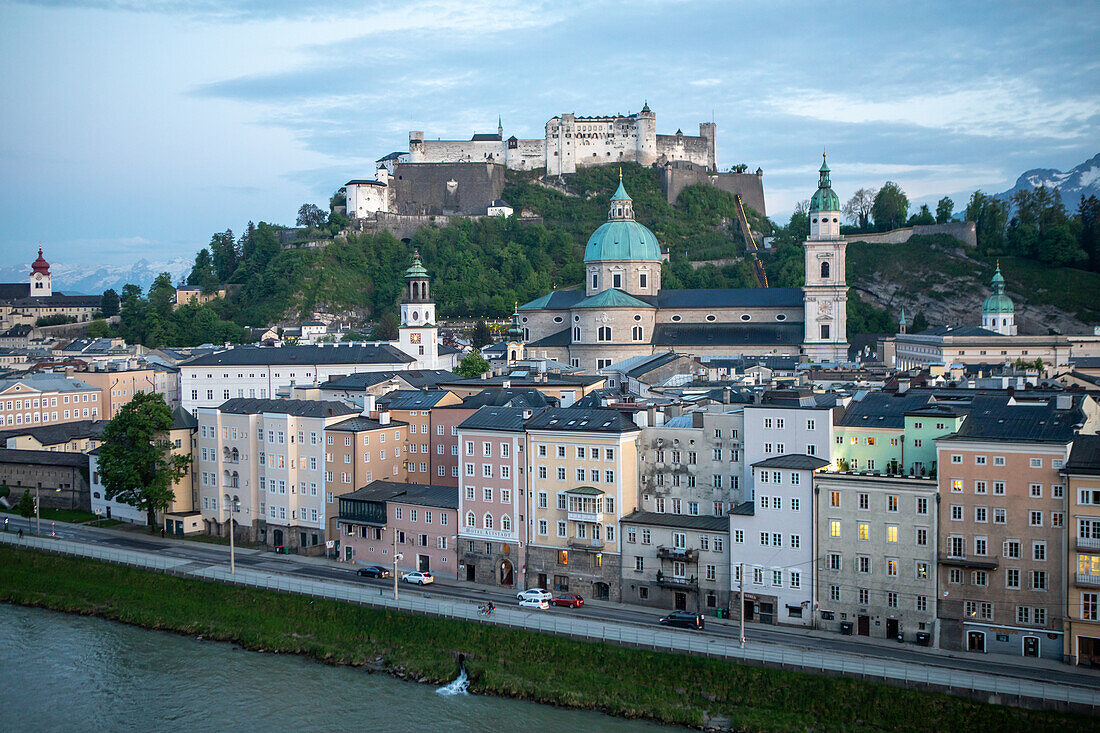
[119, 387]
[1082, 475]
[360, 450]
[71, 437]
[676, 561]
[47, 399]
[189, 295]
[582, 480]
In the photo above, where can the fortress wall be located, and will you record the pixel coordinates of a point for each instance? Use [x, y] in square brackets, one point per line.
[445, 188]
[528, 155]
[461, 151]
[678, 176]
[964, 231]
[690, 148]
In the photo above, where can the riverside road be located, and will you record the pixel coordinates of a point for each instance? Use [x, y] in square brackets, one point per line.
[313, 568]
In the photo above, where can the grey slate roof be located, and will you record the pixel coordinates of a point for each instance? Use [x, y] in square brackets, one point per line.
[727, 334]
[968, 331]
[412, 399]
[561, 338]
[299, 408]
[552, 380]
[43, 458]
[679, 521]
[419, 378]
[306, 355]
[1084, 458]
[997, 417]
[507, 397]
[57, 434]
[444, 497]
[740, 363]
[181, 419]
[744, 509]
[731, 298]
[797, 461]
[47, 382]
[882, 410]
[589, 421]
[361, 423]
[510, 419]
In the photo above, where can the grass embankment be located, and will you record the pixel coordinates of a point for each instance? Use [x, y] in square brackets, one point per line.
[625, 682]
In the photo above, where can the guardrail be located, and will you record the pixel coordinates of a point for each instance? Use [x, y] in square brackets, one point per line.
[656, 638]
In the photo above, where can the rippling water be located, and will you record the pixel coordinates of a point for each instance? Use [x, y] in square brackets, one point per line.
[70, 673]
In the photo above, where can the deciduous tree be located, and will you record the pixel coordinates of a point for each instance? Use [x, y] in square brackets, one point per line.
[945, 209]
[310, 215]
[858, 208]
[891, 207]
[472, 365]
[481, 335]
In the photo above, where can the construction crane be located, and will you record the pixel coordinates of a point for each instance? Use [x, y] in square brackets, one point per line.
[750, 245]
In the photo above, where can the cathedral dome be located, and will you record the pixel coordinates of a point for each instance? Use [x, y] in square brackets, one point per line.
[620, 237]
[998, 302]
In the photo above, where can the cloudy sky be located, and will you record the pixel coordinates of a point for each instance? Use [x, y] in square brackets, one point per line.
[136, 128]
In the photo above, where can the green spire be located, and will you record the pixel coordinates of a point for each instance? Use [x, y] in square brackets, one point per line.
[417, 270]
[824, 199]
[515, 331]
[620, 193]
[902, 320]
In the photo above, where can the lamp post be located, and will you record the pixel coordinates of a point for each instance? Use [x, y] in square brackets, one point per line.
[396, 557]
[234, 506]
[37, 515]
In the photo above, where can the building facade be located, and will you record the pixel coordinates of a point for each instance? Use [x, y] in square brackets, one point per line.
[48, 399]
[1082, 476]
[361, 450]
[678, 562]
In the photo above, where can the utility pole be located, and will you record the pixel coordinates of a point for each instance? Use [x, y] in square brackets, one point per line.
[741, 601]
[37, 515]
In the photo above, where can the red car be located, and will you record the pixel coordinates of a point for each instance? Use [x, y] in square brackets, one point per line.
[570, 600]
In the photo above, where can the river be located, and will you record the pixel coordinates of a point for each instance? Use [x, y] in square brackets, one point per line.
[70, 673]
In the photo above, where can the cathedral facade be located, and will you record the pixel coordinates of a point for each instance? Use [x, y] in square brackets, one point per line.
[623, 311]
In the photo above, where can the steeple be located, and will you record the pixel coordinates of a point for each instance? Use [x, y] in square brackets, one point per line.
[416, 282]
[41, 280]
[998, 311]
[500, 127]
[515, 330]
[901, 322]
[622, 207]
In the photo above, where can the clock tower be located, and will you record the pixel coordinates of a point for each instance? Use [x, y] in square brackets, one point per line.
[826, 292]
[418, 336]
[41, 280]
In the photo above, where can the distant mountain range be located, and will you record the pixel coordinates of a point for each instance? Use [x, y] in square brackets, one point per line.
[88, 280]
[1083, 180]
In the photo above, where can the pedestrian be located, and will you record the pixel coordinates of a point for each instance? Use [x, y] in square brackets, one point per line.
[162, 532]
[20, 533]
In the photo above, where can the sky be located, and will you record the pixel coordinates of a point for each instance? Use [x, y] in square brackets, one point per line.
[135, 129]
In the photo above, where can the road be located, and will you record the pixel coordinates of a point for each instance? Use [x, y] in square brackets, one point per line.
[320, 569]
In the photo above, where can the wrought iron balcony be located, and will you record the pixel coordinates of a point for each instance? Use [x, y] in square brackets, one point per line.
[691, 583]
[677, 553]
[584, 544]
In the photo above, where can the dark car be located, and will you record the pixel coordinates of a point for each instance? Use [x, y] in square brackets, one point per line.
[373, 571]
[569, 600]
[683, 620]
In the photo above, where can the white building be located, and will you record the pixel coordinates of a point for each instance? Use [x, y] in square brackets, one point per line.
[785, 425]
[772, 542]
[109, 508]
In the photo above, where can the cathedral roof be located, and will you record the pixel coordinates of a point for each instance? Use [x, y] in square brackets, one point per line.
[621, 237]
[612, 299]
[727, 334]
[998, 302]
[824, 199]
[556, 300]
[731, 298]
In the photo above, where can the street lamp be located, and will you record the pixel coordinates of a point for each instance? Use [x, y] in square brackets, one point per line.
[234, 505]
[396, 557]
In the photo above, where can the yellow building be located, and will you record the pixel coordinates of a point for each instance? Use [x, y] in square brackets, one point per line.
[583, 479]
[187, 295]
[1082, 474]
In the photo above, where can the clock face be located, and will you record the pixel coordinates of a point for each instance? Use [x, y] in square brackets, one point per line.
[824, 307]
[414, 338]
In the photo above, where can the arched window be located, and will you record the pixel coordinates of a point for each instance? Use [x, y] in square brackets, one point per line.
[506, 523]
[470, 520]
[226, 479]
[824, 269]
[235, 456]
[236, 480]
[604, 333]
[226, 503]
[488, 521]
[636, 333]
[225, 454]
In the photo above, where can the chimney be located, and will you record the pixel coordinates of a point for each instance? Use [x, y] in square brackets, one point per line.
[507, 383]
[903, 385]
[384, 417]
[1063, 402]
[368, 405]
[651, 416]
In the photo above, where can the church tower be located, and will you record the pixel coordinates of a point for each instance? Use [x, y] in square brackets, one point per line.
[826, 293]
[514, 338]
[998, 312]
[418, 336]
[41, 279]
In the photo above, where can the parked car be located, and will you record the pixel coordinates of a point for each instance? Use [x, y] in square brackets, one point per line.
[419, 578]
[683, 620]
[540, 603]
[373, 571]
[537, 593]
[569, 600]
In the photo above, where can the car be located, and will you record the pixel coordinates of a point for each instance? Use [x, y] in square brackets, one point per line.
[569, 600]
[536, 593]
[419, 578]
[373, 571]
[683, 620]
[540, 603]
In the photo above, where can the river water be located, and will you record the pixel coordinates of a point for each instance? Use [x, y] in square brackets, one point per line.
[71, 673]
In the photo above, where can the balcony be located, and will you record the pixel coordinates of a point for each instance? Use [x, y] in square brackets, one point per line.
[1087, 543]
[665, 581]
[677, 553]
[963, 561]
[1087, 579]
[579, 543]
[590, 517]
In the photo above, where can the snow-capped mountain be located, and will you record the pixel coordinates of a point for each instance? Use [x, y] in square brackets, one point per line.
[1083, 180]
[74, 279]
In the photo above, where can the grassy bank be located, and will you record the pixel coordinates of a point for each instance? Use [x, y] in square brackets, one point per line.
[626, 682]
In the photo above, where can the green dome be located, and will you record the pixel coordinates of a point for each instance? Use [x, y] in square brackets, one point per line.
[998, 302]
[417, 270]
[622, 240]
[824, 199]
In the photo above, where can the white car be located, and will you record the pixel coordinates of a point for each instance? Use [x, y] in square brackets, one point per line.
[418, 578]
[539, 603]
[537, 594]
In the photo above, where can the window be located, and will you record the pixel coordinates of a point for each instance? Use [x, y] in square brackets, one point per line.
[1035, 491]
[1036, 462]
[834, 561]
[864, 501]
[864, 564]
[864, 596]
[922, 536]
[834, 499]
[980, 514]
[1012, 578]
[1039, 550]
[834, 528]
[1035, 519]
[999, 515]
[922, 505]
[998, 488]
[864, 531]
[1011, 549]
[891, 533]
[1039, 580]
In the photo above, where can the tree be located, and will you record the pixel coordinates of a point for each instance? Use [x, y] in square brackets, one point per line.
[386, 328]
[109, 303]
[923, 217]
[225, 256]
[990, 215]
[481, 335]
[25, 507]
[891, 207]
[1088, 216]
[472, 365]
[98, 329]
[920, 323]
[136, 463]
[945, 209]
[310, 215]
[858, 208]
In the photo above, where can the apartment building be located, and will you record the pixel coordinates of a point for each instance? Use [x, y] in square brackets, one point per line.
[876, 555]
[80, 436]
[361, 384]
[583, 479]
[870, 434]
[119, 386]
[264, 461]
[414, 407]
[693, 464]
[48, 399]
[772, 541]
[1002, 525]
[359, 451]
[564, 389]
[785, 422]
[419, 522]
[492, 496]
[676, 561]
[1082, 477]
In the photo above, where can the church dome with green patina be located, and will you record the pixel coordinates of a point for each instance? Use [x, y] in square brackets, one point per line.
[824, 199]
[620, 237]
[417, 269]
[998, 302]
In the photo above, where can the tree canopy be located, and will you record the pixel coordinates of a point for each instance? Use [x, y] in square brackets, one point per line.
[890, 208]
[310, 215]
[481, 335]
[472, 365]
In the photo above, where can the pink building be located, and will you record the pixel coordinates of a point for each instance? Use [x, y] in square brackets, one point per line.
[492, 496]
[420, 521]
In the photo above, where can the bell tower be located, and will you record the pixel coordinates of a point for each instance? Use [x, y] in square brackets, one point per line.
[825, 294]
[418, 336]
[41, 279]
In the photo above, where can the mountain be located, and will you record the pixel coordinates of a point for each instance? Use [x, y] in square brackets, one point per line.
[85, 280]
[1082, 180]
